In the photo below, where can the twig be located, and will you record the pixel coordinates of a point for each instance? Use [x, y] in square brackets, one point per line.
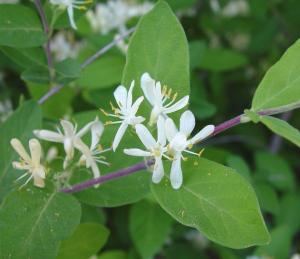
[108, 177]
[143, 165]
[87, 62]
[47, 49]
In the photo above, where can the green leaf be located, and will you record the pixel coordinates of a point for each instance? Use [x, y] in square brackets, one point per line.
[218, 202]
[275, 170]
[87, 239]
[159, 47]
[220, 60]
[43, 219]
[39, 75]
[20, 27]
[19, 125]
[239, 164]
[30, 57]
[121, 191]
[281, 84]
[149, 227]
[67, 71]
[282, 128]
[103, 73]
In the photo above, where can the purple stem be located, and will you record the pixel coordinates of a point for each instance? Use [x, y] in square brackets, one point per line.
[108, 177]
[143, 165]
[51, 92]
[47, 49]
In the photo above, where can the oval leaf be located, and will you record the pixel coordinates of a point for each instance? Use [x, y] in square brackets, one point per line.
[218, 202]
[20, 27]
[43, 220]
[281, 84]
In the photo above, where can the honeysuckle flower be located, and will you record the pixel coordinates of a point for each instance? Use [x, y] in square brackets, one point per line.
[70, 5]
[31, 163]
[69, 137]
[114, 14]
[158, 97]
[179, 142]
[126, 112]
[90, 156]
[154, 148]
[63, 45]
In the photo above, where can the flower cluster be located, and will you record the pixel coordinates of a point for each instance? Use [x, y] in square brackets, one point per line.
[171, 142]
[163, 103]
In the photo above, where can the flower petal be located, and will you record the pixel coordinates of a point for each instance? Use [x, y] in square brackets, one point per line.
[202, 134]
[35, 151]
[145, 136]
[136, 105]
[49, 135]
[158, 171]
[129, 95]
[170, 129]
[120, 95]
[136, 152]
[148, 85]
[69, 148]
[19, 148]
[95, 169]
[38, 181]
[178, 105]
[68, 127]
[119, 135]
[71, 17]
[86, 128]
[96, 130]
[20, 165]
[161, 136]
[187, 123]
[176, 172]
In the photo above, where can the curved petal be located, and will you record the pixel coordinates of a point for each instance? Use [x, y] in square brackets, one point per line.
[71, 17]
[176, 172]
[49, 135]
[178, 105]
[158, 94]
[187, 123]
[95, 169]
[202, 134]
[145, 136]
[170, 129]
[161, 136]
[38, 181]
[136, 105]
[158, 171]
[86, 128]
[136, 152]
[179, 142]
[19, 148]
[35, 151]
[119, 135]
[96, 130]
[148, 84]
[69, 148]
[20, 165]
[68, 128]
[120, 95]
[129, 95]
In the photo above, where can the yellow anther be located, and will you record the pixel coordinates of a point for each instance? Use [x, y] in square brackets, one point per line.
[99, 147]
[114, 109]
[108, 123]
[88, 1]
[164, 90]
[81, 8]
[190, 146]
[175, 96]
[201, 151]
[170, 93]
[104, 112]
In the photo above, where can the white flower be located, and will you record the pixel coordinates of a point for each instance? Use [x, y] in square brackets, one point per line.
[179, 142]
[70, 5]
[90, 157]
[126, 112]
[70, 137]
[154, 148]
[158, 97]
[114, 15]
[63, 46]
[30, 163]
